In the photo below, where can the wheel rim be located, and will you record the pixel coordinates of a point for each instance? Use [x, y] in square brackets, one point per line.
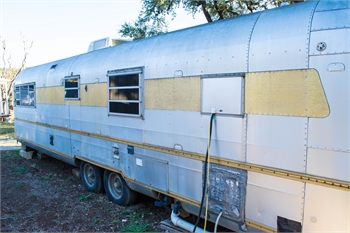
[89, 174]
[115, 185]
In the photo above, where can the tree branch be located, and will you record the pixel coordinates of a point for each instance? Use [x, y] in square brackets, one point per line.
[3, 58]
[206, 13]
[221, 16]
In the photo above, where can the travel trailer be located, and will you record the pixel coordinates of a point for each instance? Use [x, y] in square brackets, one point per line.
[243, 122]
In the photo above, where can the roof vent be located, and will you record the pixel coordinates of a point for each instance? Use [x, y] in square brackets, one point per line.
[105, 42]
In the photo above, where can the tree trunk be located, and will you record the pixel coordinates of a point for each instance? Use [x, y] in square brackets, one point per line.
[205, 12]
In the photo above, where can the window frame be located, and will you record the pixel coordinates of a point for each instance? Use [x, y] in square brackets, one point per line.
[20, 100]
[125, 72]
[71, 88]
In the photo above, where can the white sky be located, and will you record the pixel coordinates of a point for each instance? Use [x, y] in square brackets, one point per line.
[63, 28]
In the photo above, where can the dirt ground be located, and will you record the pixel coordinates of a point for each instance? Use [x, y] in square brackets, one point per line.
[44, 195]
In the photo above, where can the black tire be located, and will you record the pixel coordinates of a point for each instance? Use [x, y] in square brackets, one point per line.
[91, 177]
[117, 190]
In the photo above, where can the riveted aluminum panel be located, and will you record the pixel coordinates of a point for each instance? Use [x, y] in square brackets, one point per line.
[189, 130]
[279, 36]
[152, 172]
[332, 132]
[128, 128]
[329, 163]
[185, 175]
[49, 74]
[57, 115]
[56, 71]
[276, 141]
[24, 113]
[326, 20]
[185, 181]
[337, 41]
[219, 47]
[93, 66]
[41, 136]
[327, 5]
[269, 197]
[326, 210]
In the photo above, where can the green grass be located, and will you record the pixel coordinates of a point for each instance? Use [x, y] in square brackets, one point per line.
[7, 128]
[84, 197]
[116, 222]
[20, 170]
[137, 223]
[10, 154]
[19, 185]
[32, 195]
[139, 226]
[46, 177]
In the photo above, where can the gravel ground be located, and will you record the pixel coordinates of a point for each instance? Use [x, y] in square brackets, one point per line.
[44, 195]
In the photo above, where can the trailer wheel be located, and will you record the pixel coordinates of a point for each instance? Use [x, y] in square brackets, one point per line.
[91, 177]
[117, 190]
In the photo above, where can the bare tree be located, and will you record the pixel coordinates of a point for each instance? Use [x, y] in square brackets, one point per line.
[8, 72]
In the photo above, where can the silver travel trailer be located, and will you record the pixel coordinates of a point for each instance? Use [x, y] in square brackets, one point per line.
[273, 87]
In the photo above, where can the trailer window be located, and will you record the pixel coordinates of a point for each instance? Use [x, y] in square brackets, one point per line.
[71, 87]
[124, 92]
[25, 95]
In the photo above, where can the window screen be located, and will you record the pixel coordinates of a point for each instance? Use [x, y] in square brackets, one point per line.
[124, 92]
[25, 95]
[71, 87]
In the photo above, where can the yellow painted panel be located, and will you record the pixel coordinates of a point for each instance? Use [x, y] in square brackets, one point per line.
[173, 94]
[50, 95]
[286, 93]
[96, 94]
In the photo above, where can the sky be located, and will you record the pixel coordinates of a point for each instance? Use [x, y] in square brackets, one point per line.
[64, 28]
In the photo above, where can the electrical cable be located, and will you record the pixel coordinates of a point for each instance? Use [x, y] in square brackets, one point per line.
[217, 221]
[206, 168]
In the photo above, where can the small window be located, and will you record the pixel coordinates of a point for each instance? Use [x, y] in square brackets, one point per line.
[72, 87]
[125, 92]
[25, 95]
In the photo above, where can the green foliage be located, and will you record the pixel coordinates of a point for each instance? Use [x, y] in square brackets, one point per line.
[84, 197]
[152, 18]
[141, 28]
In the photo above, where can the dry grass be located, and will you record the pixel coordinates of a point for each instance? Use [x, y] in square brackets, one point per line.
[7, 130]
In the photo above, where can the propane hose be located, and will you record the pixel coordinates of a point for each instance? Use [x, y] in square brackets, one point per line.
[206, 176]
